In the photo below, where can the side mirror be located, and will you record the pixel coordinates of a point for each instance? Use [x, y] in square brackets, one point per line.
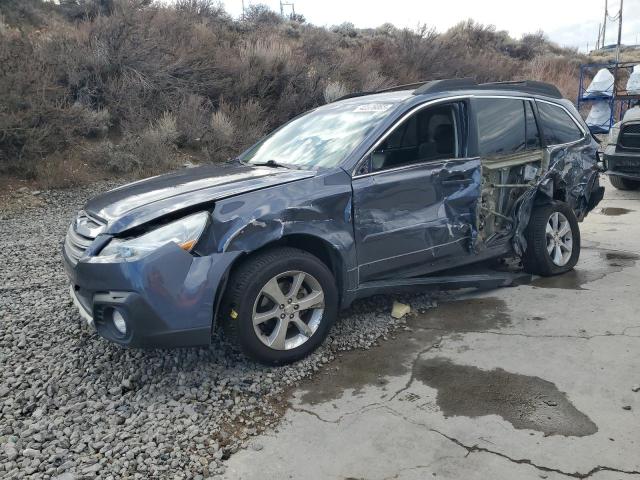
[378, 160]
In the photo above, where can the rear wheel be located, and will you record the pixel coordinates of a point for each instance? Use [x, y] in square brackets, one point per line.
[280, 305]
[553, 240]
[622, 183]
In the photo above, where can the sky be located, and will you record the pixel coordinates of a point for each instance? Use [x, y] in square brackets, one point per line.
[571, 23]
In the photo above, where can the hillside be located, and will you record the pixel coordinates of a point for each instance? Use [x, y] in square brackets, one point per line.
[95, 88]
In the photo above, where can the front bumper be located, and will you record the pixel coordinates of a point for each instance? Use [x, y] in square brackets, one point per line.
[167, 298]
[622, 164]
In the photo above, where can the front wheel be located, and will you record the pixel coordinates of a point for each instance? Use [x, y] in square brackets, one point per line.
[280, 305]
[553, 240]
[622, 183]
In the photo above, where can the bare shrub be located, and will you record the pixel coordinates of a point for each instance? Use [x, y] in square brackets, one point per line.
[60, 170]
[154, 150]
[91, 123]
[556, 70]
[268, 51]
[375, 81]
[151, 76]
[260, 14]
[234, 128]
[156, 145]
[334, 90]
[222, 129]
[114, 158]
[192, 120]
[206, 8]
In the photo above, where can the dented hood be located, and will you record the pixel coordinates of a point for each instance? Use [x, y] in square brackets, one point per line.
[146, 200]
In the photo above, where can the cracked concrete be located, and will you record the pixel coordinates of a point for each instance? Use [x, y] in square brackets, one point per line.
[524, 382]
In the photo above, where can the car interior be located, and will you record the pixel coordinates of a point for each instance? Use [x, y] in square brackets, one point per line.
[431, 134]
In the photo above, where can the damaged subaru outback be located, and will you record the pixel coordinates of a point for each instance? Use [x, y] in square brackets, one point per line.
[365, 195]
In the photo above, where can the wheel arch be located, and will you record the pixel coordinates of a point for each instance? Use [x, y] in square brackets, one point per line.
[327, 253]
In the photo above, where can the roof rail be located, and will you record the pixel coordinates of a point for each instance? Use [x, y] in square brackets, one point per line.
[406, 86]
[529, 86]
[352, 95]
[435, 86]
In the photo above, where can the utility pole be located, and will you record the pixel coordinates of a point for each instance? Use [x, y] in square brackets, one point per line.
[604, 23]
[619, 32]
[285, 4]
[243, 9]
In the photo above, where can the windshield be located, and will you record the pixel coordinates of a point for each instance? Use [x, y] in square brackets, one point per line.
[320, 138]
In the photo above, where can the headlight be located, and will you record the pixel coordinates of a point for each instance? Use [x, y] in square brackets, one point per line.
[184, 232]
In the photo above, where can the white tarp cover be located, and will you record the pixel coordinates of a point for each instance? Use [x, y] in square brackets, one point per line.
[600, 115]
[633, 85]
[602, 84]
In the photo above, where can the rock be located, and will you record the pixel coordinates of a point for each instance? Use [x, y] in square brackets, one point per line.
[65, 476]
[399, 310]
[627, 407]
[30, 452]
[95, 468]
[256, 446]
[10, 451]
[635, 388]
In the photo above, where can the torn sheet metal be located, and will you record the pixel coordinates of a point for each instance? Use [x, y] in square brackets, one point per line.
[572, 177]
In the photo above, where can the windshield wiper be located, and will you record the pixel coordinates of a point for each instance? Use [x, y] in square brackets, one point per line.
[274, 164]
[234, 160]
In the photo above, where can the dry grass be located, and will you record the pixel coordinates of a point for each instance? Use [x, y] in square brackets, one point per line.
[137, 86]
[557, 70]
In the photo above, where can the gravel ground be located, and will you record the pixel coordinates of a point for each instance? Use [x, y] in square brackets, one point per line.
[75, 406]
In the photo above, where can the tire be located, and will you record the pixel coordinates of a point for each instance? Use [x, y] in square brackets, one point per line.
[538, 259]
[279, 268]
[622, 183]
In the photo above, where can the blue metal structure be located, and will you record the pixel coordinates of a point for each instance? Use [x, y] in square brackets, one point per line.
[619, 102]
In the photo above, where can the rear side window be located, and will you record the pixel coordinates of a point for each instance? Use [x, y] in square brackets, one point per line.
[501, 126]
[558, 126]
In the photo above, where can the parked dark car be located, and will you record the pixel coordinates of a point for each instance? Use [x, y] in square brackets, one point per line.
[364, 195]
[622, 151]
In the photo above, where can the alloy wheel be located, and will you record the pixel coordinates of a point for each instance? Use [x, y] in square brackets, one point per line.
[288, 310]
[559, 239]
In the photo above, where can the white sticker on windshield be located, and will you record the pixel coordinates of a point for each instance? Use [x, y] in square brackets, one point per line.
[373, 107]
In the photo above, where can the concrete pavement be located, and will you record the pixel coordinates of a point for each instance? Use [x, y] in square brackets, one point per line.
[534, 381]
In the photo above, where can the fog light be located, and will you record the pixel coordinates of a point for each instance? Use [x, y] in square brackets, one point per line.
[118, 321]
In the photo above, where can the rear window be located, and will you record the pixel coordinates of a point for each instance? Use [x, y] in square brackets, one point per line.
[558, 126]
[501, 126]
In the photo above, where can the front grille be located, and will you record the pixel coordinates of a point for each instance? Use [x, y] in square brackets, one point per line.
[75, 243]
[629, 170]
[630, 136]
[632, 128]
